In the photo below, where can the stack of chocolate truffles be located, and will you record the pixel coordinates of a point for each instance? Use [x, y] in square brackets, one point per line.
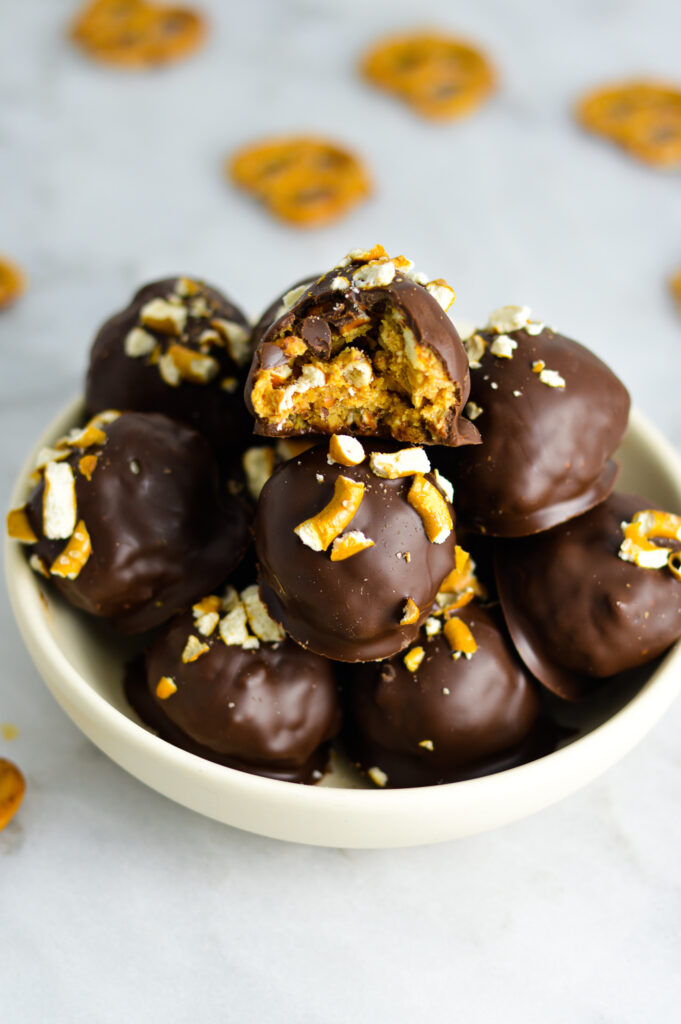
[349, 529]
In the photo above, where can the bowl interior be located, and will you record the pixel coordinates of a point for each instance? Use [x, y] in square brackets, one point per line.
[83, 659]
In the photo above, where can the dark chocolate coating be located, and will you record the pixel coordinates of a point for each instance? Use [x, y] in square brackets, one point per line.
[487, 722]
[321, 307]
[348, 610]
[545, 453]
[575, 610]
[160, 537]
[118, 381]
[285, 703]
[276, 309]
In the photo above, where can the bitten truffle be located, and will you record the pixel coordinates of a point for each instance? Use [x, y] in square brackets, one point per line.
[550, 414]
[223, 682]
[367, 349]
[353, 540]
[594, 596]
[180, 348]
[128, 519]
[445, 715]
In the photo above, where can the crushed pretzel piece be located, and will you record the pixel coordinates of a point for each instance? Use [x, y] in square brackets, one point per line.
[509, 318]
[345, 450]
[349, 544]
[87, 465]
[193, 649]
[647, 525]
[85, 437]
[425, 498]
[39, 565]
[443, 293]
[413, 658]
[165, 687]
[139, 343]
[259, 619]
[459, 637]
[234, 629]
[376, 274]
[59, 501]
[70, 562]
[238, 339]
[12, 789]
[410, 614]
[363, 256]
[445, 485]
[191, 365]
[503, 346]
[19, 527]
[164, 316]
[432, 626]
[319, 531]
[12, 283]
[552, 379]
[377, 776]
[404, 462]
[258, 465]
[674, 564]
[475, 347]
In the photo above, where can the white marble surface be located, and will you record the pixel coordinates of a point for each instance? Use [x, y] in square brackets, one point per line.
[116, 905]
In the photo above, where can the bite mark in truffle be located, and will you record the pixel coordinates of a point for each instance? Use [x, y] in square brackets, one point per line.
[378, 357]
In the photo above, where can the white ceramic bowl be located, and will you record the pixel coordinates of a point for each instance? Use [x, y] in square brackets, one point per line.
[81, 660]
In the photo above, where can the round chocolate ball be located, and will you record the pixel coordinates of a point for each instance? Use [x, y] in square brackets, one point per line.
[269, 709]
[367, 349]
[448, 719]
[576, 610]
[180, 348]
[363, 596]
[550, 414]
[134, 523]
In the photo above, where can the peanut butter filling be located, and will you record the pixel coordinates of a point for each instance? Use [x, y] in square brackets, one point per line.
[378, 379]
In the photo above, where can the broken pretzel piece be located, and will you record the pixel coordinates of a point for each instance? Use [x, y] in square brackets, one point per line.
[12, 789]
[12, 283]
[432, 507]
[70, 562]
[349, 544]
[639, 535]
[319, 531]
[459, 637]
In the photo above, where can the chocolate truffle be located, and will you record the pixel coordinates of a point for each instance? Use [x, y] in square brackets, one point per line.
[367, 349]
[180, 348]
[128, 519]
[577, 609]
[550, 414]
[223, 682]
[449, 716]
[352, 554]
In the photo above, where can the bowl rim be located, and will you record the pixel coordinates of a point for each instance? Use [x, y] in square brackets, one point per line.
[71, 688]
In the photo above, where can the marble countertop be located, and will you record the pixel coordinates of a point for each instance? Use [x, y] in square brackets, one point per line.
[117, 905]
